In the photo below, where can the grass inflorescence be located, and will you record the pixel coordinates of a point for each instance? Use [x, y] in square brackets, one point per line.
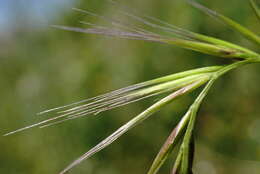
[175, 85]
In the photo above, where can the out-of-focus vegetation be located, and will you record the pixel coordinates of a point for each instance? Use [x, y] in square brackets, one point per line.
[42, 67]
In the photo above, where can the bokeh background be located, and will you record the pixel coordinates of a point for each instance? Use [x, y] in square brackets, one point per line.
[42, 67]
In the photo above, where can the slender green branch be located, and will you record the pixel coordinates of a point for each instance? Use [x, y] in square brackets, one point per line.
[177, 163]
[187, 138]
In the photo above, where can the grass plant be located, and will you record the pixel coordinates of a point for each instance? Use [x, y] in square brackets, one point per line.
[175, 85]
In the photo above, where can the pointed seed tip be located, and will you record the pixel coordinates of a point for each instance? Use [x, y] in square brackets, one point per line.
[10, 133]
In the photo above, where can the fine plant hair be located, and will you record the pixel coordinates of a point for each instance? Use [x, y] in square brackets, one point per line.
[174, 85]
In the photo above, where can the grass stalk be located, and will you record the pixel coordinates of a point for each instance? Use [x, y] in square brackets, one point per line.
[175, 85]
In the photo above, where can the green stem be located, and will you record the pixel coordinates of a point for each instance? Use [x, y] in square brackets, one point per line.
[177, 163]
[187, 137]
[184, 151]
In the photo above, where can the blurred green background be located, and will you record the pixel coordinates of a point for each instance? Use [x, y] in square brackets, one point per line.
[42, 67]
